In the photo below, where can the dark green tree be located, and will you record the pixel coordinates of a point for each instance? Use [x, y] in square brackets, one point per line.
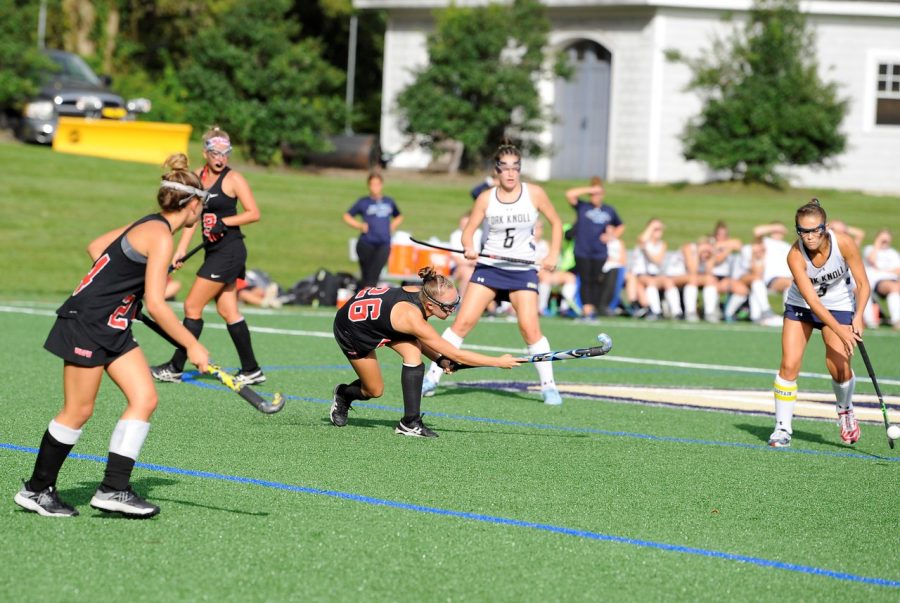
[765, 105]
[329, 20]
[21, 61]
[480, 84]
[275, 95]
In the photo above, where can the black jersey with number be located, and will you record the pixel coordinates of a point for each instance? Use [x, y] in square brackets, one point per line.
[220, 205]
[364, 322]
[108, 297]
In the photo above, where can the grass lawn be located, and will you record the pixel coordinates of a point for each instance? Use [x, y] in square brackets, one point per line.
[644, 496]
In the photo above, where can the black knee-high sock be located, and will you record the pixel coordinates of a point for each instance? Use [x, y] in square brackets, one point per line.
[118, 472]
[49, 461]
[195, 326]
[240, 335]
[411, 378]
[352, 391]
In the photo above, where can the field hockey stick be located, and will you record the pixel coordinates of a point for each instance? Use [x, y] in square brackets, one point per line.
[600, 350]
[245, 392]
[188, 255]
[868, 363]
[149, 322]
[480, 254]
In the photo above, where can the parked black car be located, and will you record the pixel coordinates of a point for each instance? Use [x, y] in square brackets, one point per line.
[74, 90]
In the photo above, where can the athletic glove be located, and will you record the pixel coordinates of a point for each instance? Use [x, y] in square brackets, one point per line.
[218, 228]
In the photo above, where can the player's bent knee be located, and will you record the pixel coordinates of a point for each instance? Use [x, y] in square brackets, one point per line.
[373, 392]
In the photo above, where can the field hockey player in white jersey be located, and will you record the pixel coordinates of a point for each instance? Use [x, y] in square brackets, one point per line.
[822, 297]
[509, 212]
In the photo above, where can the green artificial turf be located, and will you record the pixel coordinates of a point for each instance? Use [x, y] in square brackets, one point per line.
[595, 500]
[514, 501]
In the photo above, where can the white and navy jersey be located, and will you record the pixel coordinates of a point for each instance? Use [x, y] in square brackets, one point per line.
[832, 281]
[108, 297]
[508, 230]
[640, 261]
[887, 261]
[776, 265]
[674, 264]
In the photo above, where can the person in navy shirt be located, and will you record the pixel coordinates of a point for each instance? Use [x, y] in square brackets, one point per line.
[595, 225]
[380, 218]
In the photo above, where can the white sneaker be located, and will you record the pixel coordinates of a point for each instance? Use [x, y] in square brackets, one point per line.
[551, 396]
[127, 502]
[780, 439]
[429, 387]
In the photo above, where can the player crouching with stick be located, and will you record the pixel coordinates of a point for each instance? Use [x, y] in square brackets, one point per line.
[92, 333]
[821, 297]
[397, 317]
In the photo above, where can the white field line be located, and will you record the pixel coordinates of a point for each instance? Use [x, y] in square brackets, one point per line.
[502, 350]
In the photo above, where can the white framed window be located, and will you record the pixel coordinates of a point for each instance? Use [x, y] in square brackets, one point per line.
[887, 95]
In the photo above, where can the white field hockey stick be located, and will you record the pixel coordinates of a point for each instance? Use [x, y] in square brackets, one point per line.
[600, 350]
[868, 363]
[491, 256]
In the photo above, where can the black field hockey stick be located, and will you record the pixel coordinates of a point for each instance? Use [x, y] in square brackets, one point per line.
[245, 392]
[480, 254]
[868, 363]
[149, 322]
[188, 255]
[600, 350]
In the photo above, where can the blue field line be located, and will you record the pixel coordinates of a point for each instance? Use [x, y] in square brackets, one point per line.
[491, 519]
[191, 377]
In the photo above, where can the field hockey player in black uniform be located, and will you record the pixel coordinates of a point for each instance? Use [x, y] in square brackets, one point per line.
[224, 264]
[397, 318]
[92, 333]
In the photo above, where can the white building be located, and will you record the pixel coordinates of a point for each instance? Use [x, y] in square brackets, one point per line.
[623, 114]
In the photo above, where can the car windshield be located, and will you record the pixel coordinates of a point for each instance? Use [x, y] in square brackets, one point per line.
[72, 67]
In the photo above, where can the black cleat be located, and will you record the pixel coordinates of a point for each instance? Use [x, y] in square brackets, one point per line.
[46, 502]
[415, 428]
[339, 408]
[126, 502]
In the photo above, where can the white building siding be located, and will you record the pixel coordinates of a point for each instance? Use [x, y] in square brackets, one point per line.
[629, 40]
[849, 51]
[404, 52]
[649, 107]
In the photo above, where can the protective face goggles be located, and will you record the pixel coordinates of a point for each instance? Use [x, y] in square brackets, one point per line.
[447, 308]
[184, 188]
[218, 145]
[501, 167]
[815, 230]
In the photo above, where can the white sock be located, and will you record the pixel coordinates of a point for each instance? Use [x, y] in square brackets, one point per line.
[544, 369]
[62, 434]
[568, 292]
[869, 316]
[674, 301]
[710, 301]
[843, 393]
[690, 299]
[785, 398]
[434, 371]
[653, 300]
[734, 304]
[543, 296]
[128, 437]
[893, 304]
[759, 300]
